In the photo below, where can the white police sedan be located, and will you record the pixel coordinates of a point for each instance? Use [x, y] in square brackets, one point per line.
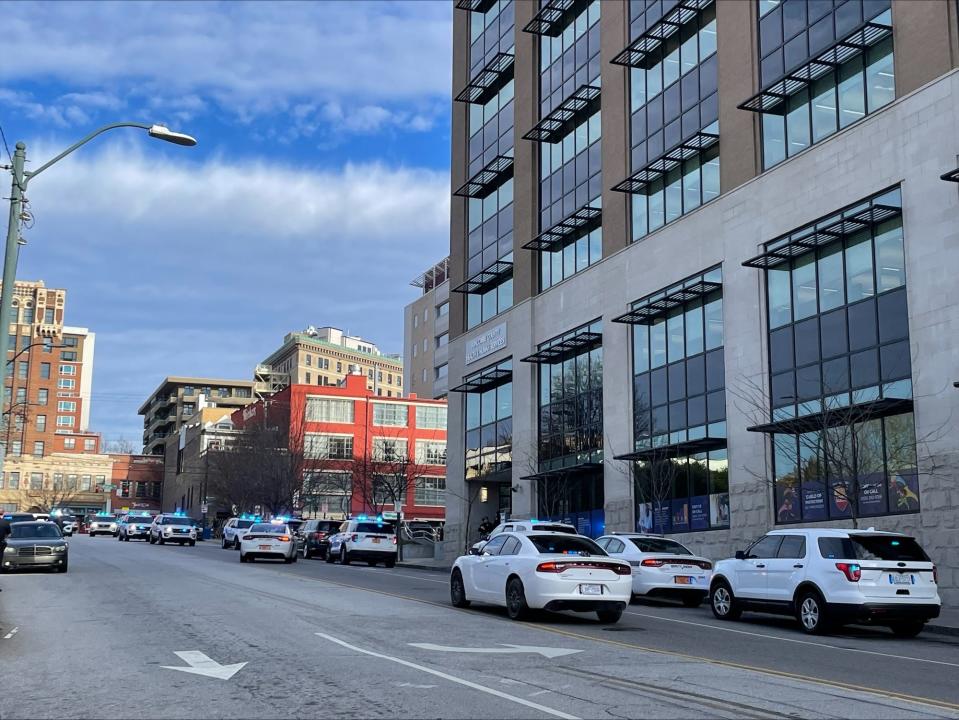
[543, 570]
[268, 540]
[661, 567]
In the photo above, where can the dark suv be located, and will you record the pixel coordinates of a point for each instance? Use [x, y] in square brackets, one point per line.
[312, 537]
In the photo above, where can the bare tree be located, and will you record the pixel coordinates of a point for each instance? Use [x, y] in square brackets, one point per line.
[120, 446]
[388, 470]
[843, 460]
[51, 495]
[325, 478]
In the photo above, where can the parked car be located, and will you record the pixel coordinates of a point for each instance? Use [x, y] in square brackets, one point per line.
[67, 524]
[173, 527]
[312, 537]
[661, 567]
[826, 578]
[35, 544]
[268, 540]
[372, 540]
[549, 570]
[103, 524]
[527, 526]
[233, 528]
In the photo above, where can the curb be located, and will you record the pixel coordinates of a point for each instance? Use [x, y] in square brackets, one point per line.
[416, 566]
[934, 629]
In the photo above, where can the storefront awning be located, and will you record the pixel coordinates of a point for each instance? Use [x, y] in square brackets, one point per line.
[485, 380]
[564, 349]
[835, 417]
[581, 469]
[668, 452]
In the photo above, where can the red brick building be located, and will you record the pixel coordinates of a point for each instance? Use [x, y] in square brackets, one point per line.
[361, 450]
[137, 481]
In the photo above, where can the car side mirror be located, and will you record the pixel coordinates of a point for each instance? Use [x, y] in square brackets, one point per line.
[740, 554]
[474, 551]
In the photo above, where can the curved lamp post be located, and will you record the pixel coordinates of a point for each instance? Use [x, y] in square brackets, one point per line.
[21, 178]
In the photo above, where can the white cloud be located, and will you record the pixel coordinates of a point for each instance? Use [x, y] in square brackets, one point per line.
[250, 57]
[186, 268]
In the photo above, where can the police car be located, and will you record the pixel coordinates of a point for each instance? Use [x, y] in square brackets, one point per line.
[364, 538]
[135, 525]
[272, 539]
[173, 527]
[234, 528]
[103, 524]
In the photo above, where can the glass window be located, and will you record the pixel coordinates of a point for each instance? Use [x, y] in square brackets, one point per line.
[390, 414]
[329, 410]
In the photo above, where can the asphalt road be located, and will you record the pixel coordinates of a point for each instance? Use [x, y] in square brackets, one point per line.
[317, 640]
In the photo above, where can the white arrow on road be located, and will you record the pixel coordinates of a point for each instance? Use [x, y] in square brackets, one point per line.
[506, 649]
[200, 664]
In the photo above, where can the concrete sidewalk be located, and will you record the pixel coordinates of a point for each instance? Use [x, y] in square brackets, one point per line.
[946, 624]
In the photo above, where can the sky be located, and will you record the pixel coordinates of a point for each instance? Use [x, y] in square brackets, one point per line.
[318, 189]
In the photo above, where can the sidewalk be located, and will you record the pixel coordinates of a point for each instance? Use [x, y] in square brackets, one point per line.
[425, 564]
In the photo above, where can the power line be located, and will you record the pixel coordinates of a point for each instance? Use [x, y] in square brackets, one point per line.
[4, 136]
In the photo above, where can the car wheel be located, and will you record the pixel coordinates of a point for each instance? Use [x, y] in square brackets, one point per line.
[907, 628]
[223, 545]
[609, 617]
[371, 563]
[307, 553]
[458, 591]
[93, 534]
[516, 606]
[236, 543]
[151, 539]
[344, 556]
[242, 557]
[390, 563]
[63, 568]
[192, 543]
[329, 557]
[723, 602]
[162, 540]
[693, 601]
[811, 613]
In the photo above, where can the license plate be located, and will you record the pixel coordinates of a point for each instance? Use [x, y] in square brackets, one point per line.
[590, 589]
[376, 541]
[684, 580]
[900, 579]
[265, 547]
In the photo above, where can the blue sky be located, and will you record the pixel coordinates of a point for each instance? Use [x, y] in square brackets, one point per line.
[319, 188]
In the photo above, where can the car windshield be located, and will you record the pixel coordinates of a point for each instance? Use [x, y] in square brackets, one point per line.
[144, 520]
[176, 521]
[104, 519]
[571, 545]
[372, 527]
[34, 530]
[872, 547]
[241, 524]
[659, 545]
[269, 529]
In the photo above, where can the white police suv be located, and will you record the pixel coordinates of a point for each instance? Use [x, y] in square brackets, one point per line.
[173, 527]
[363, 538]
[103, 524]
[826, 578]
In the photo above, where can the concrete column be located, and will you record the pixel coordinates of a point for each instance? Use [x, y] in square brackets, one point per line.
[924, 41]
[458, 162]
[737, 47]
[614, 36]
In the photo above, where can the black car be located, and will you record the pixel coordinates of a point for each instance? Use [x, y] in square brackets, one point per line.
[312, 537]
[34, 544]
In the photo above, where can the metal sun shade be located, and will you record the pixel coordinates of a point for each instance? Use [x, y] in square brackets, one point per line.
[488, 81]
[639, 181]
[567, 230]
[486, 380]
[637, 53]
[681, 449]
[837, 416]
[802, 242]
[564, 349]
[951, 176]
[770, 98]
[581, 469]
[485, 279]
[567, 115]
[496, 172]
[478, 6]
[554, 16]
[647, 313]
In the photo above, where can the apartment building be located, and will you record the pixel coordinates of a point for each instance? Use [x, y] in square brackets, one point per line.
[324, 357]
[361, 452]
[426, 325]
[176, 399]
[49, 377]
[702, 265]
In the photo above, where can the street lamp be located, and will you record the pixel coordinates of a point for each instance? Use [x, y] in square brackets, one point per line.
[21, 177]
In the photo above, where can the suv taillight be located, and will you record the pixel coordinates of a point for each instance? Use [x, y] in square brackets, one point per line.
[354, 537]
[852, 571]
[319, 535]
[935, 574]
[653, 562]
[394, 539]
[550, 567]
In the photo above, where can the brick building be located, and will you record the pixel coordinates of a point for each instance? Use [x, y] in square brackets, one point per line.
[352, 440]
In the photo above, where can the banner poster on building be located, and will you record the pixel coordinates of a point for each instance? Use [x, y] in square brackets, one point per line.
[904, 491]
[699, 512]
[644, 518]
[839, 494]
[872, 495]
[719, 509]
[681, 515]
[813, 500]
[787, 502]
[661, 522]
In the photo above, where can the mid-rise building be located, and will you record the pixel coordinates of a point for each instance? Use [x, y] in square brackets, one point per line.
[357, 451]
[49, 377]
[324, 357]
[702, 262]
[426, 325]
[176, 399]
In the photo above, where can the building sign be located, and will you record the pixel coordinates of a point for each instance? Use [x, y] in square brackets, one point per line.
[489, 342]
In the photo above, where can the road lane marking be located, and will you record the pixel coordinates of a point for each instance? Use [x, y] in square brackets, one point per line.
[452, 678]
[506, 649]
[11, 633]
[793, 640]
[415, 686]
[201, 664]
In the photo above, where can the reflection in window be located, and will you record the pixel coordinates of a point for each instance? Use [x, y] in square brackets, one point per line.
[489, 429]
